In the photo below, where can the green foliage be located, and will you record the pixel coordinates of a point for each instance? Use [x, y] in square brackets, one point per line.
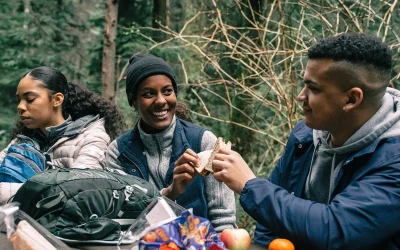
[60, 34]
[238, 67]
[241, 65]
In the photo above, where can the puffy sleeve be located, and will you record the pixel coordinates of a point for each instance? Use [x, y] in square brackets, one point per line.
[3, 153]
[93, 147]
[220, 199]
[7, 190]
[112, 157]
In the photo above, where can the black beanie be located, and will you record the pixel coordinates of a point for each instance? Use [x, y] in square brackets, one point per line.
[142, 66]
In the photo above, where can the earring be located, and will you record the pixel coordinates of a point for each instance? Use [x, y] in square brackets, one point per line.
[344, 107]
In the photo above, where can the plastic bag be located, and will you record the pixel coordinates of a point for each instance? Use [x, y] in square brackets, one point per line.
[185, 232]
[160, 211]
[166, 225]
[24, 232]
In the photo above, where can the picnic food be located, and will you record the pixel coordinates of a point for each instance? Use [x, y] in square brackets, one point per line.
[206, 157]
[150, 237]
[281, 244]
[27, 238]
[185, 232]
[236, 239]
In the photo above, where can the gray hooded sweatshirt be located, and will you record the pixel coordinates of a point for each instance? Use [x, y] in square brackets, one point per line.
[327, 161]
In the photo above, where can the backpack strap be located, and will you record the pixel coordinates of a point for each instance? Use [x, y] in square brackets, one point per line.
[51, 201]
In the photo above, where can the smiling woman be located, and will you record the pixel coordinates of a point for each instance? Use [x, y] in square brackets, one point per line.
[157, 90]
[162, 147]
[72, 124]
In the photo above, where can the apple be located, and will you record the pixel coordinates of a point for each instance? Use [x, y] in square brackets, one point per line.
[236, 239]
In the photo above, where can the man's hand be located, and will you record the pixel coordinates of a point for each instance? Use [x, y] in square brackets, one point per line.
[184, 174]
[230, 168]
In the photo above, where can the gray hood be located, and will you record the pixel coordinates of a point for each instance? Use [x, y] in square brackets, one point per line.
[384, 124]
[327, 161]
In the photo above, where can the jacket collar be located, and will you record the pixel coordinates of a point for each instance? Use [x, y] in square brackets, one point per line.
[134, 150]
[304, 135]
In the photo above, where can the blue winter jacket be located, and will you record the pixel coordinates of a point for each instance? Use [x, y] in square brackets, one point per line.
[363, 213]
[186, 135]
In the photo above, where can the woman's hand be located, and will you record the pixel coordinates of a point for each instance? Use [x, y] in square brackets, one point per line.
[230, 168]
[184, 174]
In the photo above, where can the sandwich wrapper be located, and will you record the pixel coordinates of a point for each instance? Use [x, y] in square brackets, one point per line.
[168, 226]
[24, 232]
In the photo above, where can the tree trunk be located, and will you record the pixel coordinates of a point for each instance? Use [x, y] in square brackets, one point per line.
[159, 18]
[126, 12]
[177, 14]
[27, 10]
[108, 66]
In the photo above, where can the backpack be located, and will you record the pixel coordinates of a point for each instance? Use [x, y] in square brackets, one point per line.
[22, 162]
[85, 204]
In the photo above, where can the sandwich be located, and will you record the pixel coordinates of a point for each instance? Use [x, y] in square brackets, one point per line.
[207, 157]
[27, 237]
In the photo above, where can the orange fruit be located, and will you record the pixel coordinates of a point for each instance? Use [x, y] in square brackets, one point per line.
[281, 244]
[172, 245]
[150, 237]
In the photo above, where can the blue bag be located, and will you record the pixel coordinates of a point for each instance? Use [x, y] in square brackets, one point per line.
[22, 162]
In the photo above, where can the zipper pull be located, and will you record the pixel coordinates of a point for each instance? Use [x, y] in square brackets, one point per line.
[144, 190]
[128, 192]
[115, 194]
[107, 169]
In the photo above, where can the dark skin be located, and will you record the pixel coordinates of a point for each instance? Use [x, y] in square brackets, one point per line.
[156, 102]
[342, 116]
[184, 174]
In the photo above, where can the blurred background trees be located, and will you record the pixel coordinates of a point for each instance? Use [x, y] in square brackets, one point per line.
[239, 64]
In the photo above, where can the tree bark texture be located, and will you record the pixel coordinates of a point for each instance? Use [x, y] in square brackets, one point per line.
[160, 8]
[108, 63]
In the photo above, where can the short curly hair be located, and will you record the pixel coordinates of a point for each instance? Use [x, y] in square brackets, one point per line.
[358, 48]
[361, 60]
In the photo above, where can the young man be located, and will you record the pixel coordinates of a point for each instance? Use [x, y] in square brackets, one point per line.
[337, 185]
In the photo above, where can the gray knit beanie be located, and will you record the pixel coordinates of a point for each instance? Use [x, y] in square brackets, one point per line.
[142, 66]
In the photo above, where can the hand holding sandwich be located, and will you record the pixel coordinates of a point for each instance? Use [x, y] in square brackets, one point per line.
[184, 174]
[230, 168]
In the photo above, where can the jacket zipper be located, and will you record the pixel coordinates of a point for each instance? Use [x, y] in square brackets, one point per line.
[140, 171]
[158, 171]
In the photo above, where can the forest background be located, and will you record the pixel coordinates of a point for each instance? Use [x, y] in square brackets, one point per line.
[239, 64]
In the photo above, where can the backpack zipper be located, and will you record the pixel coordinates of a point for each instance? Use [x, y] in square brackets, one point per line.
[30, 162]
[144, 190]
[42, 157]
[128, 192]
